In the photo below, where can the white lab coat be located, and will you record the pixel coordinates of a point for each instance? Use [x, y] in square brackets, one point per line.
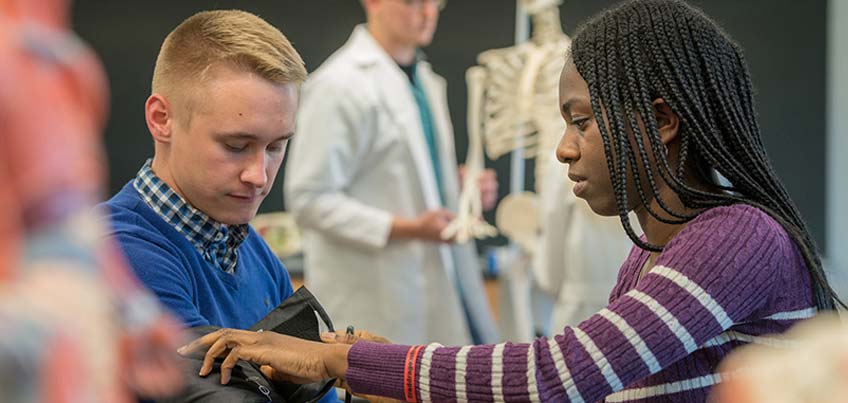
[580, 252]
[358, 159]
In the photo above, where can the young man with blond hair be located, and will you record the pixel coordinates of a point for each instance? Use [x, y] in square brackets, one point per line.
[222, 109]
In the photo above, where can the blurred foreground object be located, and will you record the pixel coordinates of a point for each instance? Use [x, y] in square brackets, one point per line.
[811, 367]
[74, 324]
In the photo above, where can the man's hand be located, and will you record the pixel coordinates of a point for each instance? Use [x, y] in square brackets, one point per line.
[431, 224]
[153, 369]
[427, 226]
[487, 182]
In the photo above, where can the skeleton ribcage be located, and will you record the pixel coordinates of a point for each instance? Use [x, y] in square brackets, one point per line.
[521, 97]
[520, 103]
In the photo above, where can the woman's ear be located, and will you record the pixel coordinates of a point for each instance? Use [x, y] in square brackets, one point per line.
[668, 122]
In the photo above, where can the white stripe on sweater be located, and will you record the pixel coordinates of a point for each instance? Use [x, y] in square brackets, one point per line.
[635, 340]
[497, 373]
[599, 359]
[564, 374]
[459, 373]
[532, 387]
[424, 372]
[670, 321]
[696, 291]
[790, 315]
[666, 388]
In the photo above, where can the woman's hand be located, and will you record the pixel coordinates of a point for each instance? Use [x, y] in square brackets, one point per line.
[341, 336]
[290, 358]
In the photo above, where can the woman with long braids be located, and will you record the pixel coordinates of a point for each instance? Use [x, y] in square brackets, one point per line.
[660, 112]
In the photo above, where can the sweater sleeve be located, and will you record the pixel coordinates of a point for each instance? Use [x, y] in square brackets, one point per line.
[164, 274]
[714, 273]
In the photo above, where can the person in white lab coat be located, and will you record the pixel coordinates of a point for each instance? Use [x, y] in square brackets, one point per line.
[372, 180]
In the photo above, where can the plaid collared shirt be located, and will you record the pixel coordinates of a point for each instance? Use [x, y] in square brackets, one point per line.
[218, 243]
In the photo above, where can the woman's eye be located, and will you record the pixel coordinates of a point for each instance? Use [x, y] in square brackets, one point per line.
[580, 123]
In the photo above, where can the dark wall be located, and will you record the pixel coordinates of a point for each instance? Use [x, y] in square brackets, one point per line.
[784, 40]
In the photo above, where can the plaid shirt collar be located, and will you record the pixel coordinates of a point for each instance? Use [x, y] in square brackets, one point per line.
[217, 243]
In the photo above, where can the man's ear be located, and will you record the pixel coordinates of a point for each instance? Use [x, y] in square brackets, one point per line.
[368, 5]
[159, 117]
[668, 122]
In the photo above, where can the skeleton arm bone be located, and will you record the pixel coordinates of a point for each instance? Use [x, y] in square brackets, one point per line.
[469, 221]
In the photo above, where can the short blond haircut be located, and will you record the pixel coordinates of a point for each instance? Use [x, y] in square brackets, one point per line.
[235, 38]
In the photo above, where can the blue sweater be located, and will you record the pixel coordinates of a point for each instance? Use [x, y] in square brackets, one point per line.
[195, 291]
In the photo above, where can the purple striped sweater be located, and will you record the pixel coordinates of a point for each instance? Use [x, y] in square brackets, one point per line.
[733, 276]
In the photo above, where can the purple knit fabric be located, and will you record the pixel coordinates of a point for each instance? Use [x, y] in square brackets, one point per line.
[731, 277]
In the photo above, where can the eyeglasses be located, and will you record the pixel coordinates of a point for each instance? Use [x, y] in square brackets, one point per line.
[419, 4]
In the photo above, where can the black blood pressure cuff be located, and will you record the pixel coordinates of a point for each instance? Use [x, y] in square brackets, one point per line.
[300, 316]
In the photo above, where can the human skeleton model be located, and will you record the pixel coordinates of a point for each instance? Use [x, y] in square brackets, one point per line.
[512, 104]
[74, 324]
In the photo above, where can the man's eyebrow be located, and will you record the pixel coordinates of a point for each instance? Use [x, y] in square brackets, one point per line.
[250, 136]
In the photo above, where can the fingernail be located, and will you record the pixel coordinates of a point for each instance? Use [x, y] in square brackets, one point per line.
[182, 350]
[328, 336]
